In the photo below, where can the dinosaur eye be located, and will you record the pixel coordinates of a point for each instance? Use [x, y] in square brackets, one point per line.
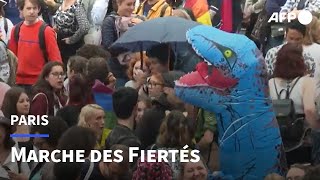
[228, 53]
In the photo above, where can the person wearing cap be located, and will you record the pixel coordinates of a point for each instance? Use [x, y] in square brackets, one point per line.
[9, 169]
[5, 24]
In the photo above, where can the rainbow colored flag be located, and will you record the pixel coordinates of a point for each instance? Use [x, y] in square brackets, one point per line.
[103, 97]
[200, 9]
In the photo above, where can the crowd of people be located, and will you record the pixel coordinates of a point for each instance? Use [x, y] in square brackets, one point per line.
[55, 61]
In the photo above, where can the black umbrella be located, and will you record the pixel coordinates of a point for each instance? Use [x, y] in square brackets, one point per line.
[152, 32]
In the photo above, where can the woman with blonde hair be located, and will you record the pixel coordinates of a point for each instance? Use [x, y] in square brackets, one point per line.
[312, 35]
[92, 116]
[315, 32]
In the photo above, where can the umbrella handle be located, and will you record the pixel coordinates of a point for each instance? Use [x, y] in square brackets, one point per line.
[141, 57]
[169, 59]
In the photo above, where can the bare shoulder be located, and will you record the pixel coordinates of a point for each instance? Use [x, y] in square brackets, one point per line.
[309, 83]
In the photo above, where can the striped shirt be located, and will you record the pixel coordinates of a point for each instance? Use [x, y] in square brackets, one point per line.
[310, 5]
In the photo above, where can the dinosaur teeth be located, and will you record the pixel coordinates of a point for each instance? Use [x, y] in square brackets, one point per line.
[208, 62]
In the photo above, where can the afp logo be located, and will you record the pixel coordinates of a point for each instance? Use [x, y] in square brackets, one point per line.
[304, 17]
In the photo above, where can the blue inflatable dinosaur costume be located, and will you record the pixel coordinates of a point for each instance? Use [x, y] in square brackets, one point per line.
[232, 83]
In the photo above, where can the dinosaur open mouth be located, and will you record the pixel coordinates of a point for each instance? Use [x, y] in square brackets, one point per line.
[207, 75]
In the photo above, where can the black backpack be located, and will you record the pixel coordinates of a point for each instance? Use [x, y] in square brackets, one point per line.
[42, 41]
[292, 127]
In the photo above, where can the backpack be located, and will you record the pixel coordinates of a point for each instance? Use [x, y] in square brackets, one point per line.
[41, 36]
[292, 127]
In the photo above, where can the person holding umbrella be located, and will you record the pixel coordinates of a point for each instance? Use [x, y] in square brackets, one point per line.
[114, 25]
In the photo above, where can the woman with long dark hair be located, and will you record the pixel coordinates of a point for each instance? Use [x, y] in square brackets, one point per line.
[16, 102]
[48, 91]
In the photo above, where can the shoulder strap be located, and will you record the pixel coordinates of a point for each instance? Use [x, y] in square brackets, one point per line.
[89, 172]
[46, 100]
[293, 85]
[163, 10]
[116, 30]
[42, 41]
[139, 8]
[288, 90]
[275, 87]
[16, 32]
[5, 22]
[152, 147]
[19, 166]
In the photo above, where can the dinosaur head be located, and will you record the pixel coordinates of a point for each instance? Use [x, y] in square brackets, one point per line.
[228, 60]
[232, 83]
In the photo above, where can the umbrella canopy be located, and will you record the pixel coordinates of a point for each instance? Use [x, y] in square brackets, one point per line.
[152, 32]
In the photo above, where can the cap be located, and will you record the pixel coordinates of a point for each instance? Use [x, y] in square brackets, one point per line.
[170, 77]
